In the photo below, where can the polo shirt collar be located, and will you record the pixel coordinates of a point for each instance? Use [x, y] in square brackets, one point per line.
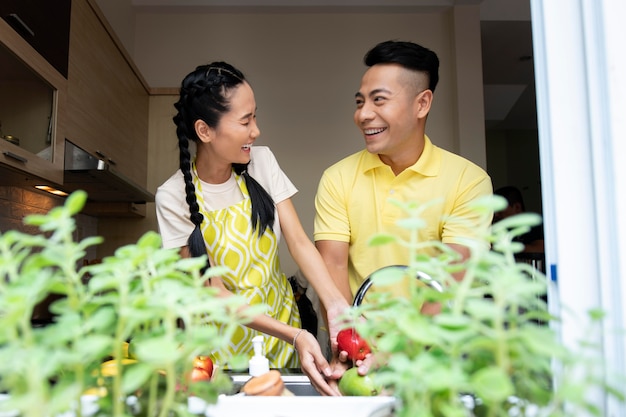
[428, 164]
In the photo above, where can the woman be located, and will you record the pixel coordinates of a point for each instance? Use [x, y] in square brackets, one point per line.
[232, 201]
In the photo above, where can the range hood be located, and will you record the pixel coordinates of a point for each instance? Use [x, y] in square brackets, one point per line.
[101, 181]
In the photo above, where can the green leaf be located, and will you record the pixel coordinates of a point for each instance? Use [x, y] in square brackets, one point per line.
[158, 350]
[102, 320]
[452, 321]
[381, 239]
[597, 314]
[389, 275]
[411, 224]
[492, 385]
[135, 376]
[75, 202]
[482, 309]
[93, 345]
[238, 362]
[150, 239]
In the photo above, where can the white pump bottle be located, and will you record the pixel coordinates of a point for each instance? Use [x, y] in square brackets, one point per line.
[258, 364]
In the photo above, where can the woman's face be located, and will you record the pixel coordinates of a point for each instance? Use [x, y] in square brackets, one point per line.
[237, 130]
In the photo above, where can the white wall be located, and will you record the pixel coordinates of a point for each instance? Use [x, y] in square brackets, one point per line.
[305, 69]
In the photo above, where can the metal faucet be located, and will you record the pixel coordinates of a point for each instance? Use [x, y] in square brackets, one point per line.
[422, 276]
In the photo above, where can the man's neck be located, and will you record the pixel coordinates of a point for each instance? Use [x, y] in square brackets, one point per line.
[399, 161]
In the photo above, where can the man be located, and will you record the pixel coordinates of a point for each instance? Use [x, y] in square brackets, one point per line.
[533, 239]
[399, 162]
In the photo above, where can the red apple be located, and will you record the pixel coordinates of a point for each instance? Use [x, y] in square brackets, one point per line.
[353, 344]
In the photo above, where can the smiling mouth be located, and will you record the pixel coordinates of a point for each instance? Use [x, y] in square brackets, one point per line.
[246, 147]
[376, 131]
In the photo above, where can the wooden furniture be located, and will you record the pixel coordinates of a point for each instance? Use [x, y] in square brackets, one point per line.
[32, 98]
[101, 105]
[107, 107]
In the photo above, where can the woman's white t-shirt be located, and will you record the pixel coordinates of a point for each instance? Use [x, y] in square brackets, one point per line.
[173, 211]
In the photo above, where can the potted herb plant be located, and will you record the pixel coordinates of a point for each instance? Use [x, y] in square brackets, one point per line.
[142, 294]
[492, 350]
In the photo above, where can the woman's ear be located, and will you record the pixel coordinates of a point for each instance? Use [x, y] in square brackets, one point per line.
[423, 102]
[204, 131]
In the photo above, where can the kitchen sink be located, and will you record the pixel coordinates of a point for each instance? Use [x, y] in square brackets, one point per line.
[306, 401]
[302, 406]
[297, 384]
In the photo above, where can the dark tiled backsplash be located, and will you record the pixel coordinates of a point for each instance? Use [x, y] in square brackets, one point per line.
[17, 202]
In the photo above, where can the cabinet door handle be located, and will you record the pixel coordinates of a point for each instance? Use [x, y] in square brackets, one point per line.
[22, 24]
[15, 156]
[112, 162]
[100, 154]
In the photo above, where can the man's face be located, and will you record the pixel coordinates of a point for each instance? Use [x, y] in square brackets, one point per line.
[386, 110]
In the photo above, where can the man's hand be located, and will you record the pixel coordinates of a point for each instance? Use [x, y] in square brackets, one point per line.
[335, 323]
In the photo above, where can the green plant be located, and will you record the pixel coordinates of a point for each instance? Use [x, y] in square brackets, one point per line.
[142, 292]
[491, 350]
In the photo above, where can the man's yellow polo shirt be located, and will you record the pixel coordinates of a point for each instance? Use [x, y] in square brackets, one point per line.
[353, 203]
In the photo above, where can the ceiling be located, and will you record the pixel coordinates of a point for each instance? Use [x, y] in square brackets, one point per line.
[508, 75]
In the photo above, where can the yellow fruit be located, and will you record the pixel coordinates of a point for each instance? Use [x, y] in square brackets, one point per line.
[353, 384]
[109, 368]
[99, 391]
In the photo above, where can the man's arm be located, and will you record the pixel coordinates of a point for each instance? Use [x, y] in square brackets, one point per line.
[464, 251]
[335, 255]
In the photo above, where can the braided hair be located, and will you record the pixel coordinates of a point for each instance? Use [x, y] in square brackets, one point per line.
[204, 96]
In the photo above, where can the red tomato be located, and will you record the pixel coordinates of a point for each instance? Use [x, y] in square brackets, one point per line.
[203, 362]
[202, 368]
[353, 344]
[198, 374]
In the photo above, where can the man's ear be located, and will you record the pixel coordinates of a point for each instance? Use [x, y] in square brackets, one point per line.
[205, 132]
[423, 102]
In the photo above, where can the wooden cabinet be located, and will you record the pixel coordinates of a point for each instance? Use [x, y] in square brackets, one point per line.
[44, 24]
[101, 106]
[32, 97]
[107, 105]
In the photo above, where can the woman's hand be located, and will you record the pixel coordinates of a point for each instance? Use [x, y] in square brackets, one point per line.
[314, 364]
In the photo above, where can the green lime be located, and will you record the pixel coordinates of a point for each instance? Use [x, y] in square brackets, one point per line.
[353, 384]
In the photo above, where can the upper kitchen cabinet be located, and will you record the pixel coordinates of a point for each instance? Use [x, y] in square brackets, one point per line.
[32, 98]
[44, 24]
[107, 104]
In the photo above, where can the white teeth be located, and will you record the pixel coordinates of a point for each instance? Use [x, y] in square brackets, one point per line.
[373, 131]
[246, 147]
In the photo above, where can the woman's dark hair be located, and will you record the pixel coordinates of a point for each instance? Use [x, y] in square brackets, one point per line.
[204, 96]
[407, 54]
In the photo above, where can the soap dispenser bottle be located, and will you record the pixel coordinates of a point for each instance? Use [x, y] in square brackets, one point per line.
[258, 364]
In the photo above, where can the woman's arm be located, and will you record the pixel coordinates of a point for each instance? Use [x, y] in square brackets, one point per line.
[312, 265]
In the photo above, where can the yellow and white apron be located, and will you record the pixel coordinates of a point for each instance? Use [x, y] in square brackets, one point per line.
[254, 273]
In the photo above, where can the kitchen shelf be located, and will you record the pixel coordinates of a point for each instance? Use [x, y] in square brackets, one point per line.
[32, 94]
